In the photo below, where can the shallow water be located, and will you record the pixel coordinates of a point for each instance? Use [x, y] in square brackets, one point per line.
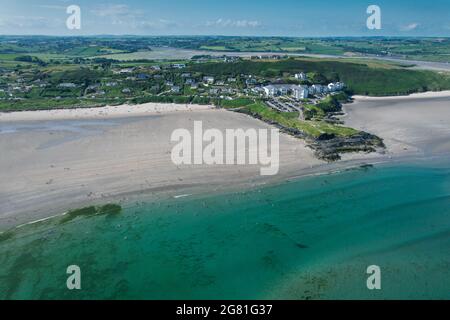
[308, 239]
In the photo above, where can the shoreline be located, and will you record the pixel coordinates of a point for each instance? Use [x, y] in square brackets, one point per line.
[179, 192]
[418, 124]
[151, 108]
[77, 163]
[128, 159]
[419, 95]
[120, 111]
[199, 192]
[317, 223]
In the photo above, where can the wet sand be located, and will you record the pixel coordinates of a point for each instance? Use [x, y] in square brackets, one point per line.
[49, 167]
[59, 160]
[416, 125]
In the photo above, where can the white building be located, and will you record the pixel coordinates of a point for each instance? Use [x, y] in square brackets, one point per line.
[126, 70]
[300, 92]
[301, 76]
[317, 89]
[277, 89]
[175, 89]
[339, 85]
[67, 85]
[331, 87]
[270, 90]
[209, 80]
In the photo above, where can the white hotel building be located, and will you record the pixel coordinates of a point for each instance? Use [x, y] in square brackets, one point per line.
[301, 92]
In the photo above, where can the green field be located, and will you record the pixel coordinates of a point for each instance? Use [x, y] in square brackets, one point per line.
[236, 103]
[414, 48]
[360, 78]
[290, 120]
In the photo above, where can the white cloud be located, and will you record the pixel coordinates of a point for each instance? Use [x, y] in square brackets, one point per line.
[224, 23]
[51, 7]
[123, 15]
[410, 27]
[118, 14]
[114, 10]
[157, 24]
[21, 22]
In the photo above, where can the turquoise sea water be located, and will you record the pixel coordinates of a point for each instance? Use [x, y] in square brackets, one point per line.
[307, 239]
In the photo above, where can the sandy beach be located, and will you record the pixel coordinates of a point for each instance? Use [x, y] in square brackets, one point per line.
[101, 112]
[51, 166]
[415, 125]
[53, 161]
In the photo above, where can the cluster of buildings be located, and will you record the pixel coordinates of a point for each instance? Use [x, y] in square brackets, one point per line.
[14, 85]
[301, 76]
[67, 85]
[269, 57]
[301, 91]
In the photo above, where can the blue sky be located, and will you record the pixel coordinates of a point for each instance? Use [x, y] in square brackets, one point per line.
[230, 17]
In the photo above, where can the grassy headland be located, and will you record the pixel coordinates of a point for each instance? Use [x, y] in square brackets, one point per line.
[361, 78]
[32, 80]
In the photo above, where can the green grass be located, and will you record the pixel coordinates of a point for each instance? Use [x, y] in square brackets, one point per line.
[9, 56]
[428, 49]
[360, 78]
[317, 48]
[312, 111]
[49, 104]
[214, 48]
[290, 120]
[236, 103]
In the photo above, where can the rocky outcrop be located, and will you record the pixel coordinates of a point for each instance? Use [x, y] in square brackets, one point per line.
[329, 147]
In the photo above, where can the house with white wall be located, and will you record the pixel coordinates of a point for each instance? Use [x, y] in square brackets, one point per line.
[208, 80]
[301, 76]
[300, 92]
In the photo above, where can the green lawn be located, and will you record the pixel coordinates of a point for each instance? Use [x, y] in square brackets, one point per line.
[360, 78]
[290, 120]
[236, 103]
